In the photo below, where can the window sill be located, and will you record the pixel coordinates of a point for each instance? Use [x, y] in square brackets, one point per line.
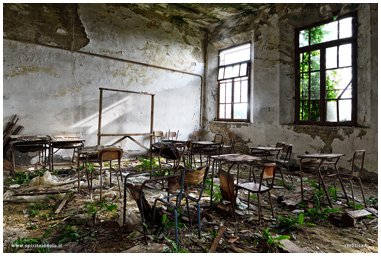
[231, 123]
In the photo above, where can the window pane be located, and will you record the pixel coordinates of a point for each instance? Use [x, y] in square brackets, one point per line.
[228, 72]
[331, 111]
[237, 91]
[228, 92]
[324, 33]
[345, 55]
[303, 38]
[221, 73]
[345, 110]
[240, 111]
[236, 70]
[243, 71]
[304, 87]
[304, 110]
[234, 55]
[338, 78]
[244, 91]
[304, 67]
[315, 110]
[345, 26]
[222, 111]
[347, 94]
[315, 85]
[315, 60]
[222, 92]
[331, 57]
[228, 111]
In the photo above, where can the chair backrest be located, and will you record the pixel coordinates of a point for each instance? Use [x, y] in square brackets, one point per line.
[108, 154]
[171, 135]
[227, 185]
[195, 177]
[232, 136]
[268, 172]
[358, 162]
[280, 144]
[197, 134]
[158, 135]
[286, 152]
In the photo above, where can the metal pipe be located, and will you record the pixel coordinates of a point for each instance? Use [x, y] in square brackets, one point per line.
[124, 60]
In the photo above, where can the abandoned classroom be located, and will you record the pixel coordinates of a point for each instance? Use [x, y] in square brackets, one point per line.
[97, 97]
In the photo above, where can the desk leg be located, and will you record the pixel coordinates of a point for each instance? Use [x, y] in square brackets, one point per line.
[301, 178]
[13, 161]
[211, 186]
[322, 182]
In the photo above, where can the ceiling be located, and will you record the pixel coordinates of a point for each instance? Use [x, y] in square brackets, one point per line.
[202, 15]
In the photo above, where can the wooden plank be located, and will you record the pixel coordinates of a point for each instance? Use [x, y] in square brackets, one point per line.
[137, 142]
[41, 193]
[217, 239]
[66, 198]
[125, 134]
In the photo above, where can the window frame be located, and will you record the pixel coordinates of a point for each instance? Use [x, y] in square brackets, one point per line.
[323, 71]
[232, 81]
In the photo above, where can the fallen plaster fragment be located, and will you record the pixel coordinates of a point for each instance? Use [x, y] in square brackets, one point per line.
[290, 247]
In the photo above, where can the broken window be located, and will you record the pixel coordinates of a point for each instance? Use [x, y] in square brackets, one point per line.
[327, 74]
[233, 84]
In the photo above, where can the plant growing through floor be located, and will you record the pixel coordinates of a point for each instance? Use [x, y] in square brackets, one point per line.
[217, 196]
[288, 224]
[146, 164]
[373, 201]
[358, 207]
[268, 243]
[99, 206]
[35, 208]
[24, 177]
[317, 213]
[71, 235]
[175, 247]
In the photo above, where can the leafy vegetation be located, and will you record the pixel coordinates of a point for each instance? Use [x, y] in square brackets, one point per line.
[146, 164]
[268, 243]
[24, 177]
[217, 196]
[99, 206]
[288, 224]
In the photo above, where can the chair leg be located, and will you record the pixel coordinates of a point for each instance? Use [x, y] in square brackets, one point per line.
[199, 219]
[143, 221]
[353, 196]
[190, 221]
[362, 192]
[176, 230]
[259, 208]
[271, 204]
[110, 174]
[101, 180]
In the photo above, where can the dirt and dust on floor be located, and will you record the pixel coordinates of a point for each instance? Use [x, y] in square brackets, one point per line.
[43, 212]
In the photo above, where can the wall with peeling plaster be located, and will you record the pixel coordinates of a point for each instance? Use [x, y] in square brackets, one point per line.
[271, 31]
[56, 91]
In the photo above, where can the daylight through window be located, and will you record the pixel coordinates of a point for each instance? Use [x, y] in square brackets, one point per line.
[233, 83]
[326, 88]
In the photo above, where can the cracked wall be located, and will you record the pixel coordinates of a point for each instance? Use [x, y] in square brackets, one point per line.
[271, 31]
[56, 91]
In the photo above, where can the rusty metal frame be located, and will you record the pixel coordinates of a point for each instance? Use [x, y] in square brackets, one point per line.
[126, 135]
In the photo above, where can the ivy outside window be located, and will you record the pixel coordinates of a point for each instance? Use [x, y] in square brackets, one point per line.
[326, 88]
[233, 84]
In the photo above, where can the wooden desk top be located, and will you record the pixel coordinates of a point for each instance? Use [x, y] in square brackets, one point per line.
[235, 158]
[321, 156]
[266, 148]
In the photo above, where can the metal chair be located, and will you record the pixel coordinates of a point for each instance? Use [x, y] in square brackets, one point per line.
[107, 154]
[158, 136]
[214, 149]
[172, 135]
[195, 177]
[197, 135]
[230, 148]
[138, 195]
[176, 206]
[357, 163]
[174, 153]
[284, 160]
[268, 172]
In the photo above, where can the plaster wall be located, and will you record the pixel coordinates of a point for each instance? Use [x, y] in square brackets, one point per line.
[55, 91]
[273, 82]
